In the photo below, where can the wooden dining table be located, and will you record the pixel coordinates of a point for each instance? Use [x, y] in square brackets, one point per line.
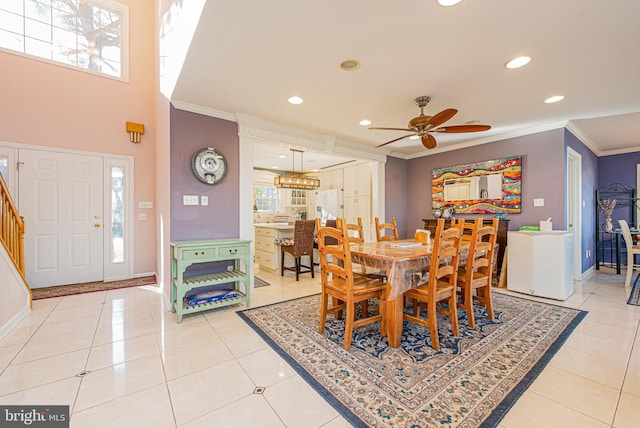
[403, 261]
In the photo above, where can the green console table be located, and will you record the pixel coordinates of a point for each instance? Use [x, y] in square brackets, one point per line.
[187, 253]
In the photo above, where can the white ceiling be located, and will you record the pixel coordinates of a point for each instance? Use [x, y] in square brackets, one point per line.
[249, 56]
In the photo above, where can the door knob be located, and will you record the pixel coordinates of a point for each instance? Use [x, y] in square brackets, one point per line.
[97, 225]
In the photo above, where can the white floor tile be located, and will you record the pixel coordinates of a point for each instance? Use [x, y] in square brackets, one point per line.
[147, 370]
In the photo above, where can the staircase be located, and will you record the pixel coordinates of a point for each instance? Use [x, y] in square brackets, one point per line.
[12, 234]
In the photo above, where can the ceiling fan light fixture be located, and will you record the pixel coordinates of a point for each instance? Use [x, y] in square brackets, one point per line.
[518, 62]
[447, 3]
[365, 122]
[554, 99]
[350, 65]
[295, 100]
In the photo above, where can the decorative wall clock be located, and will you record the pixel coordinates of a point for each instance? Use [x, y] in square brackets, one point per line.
[209, 165]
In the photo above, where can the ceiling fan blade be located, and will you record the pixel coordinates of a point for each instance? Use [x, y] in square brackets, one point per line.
[394, 129]
[428, 141]
[462, 128]
[397, 139]
[440, 118]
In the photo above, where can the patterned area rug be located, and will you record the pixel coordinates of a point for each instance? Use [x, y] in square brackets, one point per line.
[89, 287]
[634, 297]
[257, 282]
[472, 381]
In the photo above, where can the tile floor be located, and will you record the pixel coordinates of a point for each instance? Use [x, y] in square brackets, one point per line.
[144, 370]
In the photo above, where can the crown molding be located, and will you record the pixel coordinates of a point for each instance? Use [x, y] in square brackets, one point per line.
[573, 128]
[194, 108]
[493, 138]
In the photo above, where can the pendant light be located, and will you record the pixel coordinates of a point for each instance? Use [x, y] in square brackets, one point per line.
[296, 180]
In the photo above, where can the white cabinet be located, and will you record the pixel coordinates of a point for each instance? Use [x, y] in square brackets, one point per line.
[267, 253]
[357, 180]
[331, 180]
[294, 198]
[359, 206]
[357, 196]
[540, 263]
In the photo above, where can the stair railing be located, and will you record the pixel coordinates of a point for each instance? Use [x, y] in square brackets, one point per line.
[12, 229]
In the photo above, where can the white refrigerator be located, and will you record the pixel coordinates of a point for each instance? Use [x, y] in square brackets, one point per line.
[329, 205]
[540, 263]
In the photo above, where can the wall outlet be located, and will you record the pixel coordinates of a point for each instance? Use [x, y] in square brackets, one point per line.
[142, 217]
[229, 268]
[189, 199]
[538, 202]
[204, 200]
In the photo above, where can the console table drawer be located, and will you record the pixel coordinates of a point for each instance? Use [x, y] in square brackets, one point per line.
[198, 254]
[232, 250]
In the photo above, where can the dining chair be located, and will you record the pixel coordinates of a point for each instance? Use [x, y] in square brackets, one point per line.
[440, 285]
[345, 288]
[301, 245]
[381, 229]
[477, 272]
[357, 231]
[632, 250]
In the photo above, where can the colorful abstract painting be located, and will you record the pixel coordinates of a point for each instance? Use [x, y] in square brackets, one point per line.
[490, 187]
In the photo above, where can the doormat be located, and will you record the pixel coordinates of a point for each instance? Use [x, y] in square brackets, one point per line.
[257, 282]
[472, 381]
[89, 287]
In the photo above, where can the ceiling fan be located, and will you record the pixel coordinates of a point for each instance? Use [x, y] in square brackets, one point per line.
[422, 125]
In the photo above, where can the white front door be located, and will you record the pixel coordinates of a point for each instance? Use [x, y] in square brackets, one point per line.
[61, 199]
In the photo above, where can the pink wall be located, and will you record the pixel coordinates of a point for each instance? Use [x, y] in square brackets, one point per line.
[48, 105]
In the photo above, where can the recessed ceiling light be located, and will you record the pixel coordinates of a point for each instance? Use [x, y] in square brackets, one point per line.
[448, 2]
[518, 62]
[274, 167]
[365, 122]
[295, 100]
[350, 65]
[414, 137]
[282, 157]
[554, 99]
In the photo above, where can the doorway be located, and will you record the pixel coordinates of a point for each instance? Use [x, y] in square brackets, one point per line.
[574, 207]
[78, 210]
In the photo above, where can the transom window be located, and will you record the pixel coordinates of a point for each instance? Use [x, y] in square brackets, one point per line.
[90, 35]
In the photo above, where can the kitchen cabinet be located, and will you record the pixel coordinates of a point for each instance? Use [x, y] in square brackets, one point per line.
[267, 253]
[357, 180]
[357, 197]
[331, 180]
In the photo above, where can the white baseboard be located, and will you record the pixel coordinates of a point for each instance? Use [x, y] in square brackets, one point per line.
[9, 325]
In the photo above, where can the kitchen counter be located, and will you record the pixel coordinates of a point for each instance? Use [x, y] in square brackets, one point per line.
[267, 252]
[276, 226]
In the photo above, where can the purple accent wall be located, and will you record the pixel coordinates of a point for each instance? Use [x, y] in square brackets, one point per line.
[220, 219]
[619, 169]
[396, 194]
[543, 176]
[590, 167]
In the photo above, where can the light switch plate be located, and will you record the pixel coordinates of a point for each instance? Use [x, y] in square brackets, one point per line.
[145, 204]
[538, 202]
[189, 199]
[142, 217]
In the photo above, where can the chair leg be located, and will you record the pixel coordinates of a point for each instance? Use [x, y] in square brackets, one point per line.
[282, 263]
[348, 325]
[627, 281]
[323, 312]
[467, 302]
[297, 268]
[433, 325]
[453, 314]
[311, 264]
[488, 303]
